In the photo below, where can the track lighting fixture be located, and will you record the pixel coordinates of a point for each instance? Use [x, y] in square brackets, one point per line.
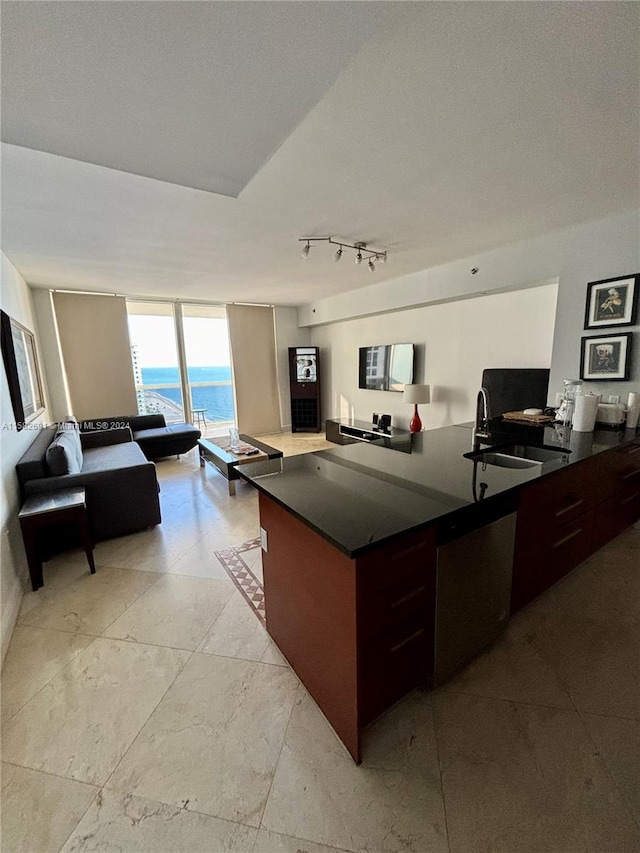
[369, 255]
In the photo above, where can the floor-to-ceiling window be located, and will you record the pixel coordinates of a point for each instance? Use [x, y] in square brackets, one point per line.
[154, 353]
[208, 361]
[182, 363]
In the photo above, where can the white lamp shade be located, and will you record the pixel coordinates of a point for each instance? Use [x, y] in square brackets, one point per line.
[417, 394]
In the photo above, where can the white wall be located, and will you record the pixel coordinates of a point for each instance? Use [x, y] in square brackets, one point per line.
[591, 252]
[16, 301]
[454, 343]
[288, 334]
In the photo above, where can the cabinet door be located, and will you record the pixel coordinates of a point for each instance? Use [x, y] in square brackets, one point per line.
[392, 664]
[396, 619]
[562, 497]
[623, 508]
[539, 564]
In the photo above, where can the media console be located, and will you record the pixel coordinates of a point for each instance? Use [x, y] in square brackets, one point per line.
[348, 430]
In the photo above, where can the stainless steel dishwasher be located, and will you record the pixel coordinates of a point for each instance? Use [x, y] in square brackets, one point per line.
[475, 563]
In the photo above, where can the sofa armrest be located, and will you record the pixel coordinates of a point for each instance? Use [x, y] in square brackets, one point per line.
[69, 481]
[105, 437]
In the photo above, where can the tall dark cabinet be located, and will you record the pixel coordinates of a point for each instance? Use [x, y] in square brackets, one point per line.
[304, 384]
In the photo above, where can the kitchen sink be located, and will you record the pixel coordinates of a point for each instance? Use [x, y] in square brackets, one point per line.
[518, 456]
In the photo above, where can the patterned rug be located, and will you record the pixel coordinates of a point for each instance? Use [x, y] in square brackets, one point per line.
[243, 564]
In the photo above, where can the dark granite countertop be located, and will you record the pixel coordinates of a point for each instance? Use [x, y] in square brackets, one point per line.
[359, 496]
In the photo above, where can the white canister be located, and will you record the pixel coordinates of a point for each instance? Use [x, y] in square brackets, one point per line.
[586, 409]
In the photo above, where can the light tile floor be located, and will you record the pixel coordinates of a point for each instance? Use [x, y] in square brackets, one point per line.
[146, 709]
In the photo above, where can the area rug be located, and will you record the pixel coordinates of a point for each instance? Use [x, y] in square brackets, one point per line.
[243, 564]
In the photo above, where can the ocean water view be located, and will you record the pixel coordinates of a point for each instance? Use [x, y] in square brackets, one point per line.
[216, 399]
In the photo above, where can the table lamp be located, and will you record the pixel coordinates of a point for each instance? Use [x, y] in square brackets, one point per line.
[416, 394]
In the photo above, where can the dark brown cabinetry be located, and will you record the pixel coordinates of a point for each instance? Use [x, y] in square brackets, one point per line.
[358, 632]
[622, 509]
[304, 387]
[567, 516]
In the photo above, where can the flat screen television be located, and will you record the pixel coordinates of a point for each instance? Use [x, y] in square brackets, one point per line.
[388, 367]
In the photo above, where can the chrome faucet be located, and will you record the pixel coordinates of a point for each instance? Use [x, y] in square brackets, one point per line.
[482, 418]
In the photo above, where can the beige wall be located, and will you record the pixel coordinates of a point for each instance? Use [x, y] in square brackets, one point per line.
[16, 301]
[97, 354]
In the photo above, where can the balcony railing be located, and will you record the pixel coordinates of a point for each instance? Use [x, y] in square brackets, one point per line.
[151, 400]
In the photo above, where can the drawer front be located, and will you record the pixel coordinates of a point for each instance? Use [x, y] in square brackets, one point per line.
[397, 562]
[538, 566]
[555, 501]
[628, 463]
[392, 665]
[413, 592]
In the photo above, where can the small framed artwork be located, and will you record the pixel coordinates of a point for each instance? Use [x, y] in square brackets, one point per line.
[23, 372]
[306, 370]
[606, 357]
[612, 302]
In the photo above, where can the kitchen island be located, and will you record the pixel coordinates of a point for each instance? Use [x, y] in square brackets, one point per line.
[353, 540]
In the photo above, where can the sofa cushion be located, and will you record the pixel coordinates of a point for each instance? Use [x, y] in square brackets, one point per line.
[151, 434]
[113, 457]
[62, 454]
[70, 426]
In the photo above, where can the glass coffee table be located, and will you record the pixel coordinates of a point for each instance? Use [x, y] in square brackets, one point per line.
[217, 452]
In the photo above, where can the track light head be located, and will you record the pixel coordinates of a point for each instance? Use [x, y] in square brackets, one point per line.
[371, 256]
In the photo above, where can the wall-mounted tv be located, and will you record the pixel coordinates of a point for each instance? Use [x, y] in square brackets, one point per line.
[388, 367]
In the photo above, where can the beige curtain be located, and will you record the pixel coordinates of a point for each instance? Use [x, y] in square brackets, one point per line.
[253, 355]
[94, 339]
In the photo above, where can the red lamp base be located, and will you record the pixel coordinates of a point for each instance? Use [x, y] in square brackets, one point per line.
[416, 423]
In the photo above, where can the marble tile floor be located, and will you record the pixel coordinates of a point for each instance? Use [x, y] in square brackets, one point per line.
[146, 709]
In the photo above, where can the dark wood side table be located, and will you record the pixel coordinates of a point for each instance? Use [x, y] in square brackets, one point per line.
[47, 510]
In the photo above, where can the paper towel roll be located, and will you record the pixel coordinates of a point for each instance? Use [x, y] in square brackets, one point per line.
[584, 416]
[632, 416]
[634, 400]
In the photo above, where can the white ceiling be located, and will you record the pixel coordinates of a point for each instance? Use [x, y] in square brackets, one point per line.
[196, 94]
[455, 128]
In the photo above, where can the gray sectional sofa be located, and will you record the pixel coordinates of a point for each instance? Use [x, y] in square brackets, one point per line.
[121, 484]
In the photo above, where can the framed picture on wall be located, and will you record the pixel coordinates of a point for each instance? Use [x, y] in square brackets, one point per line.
[306, 370]
[606, 357]
[23, 373]
[612, 302]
